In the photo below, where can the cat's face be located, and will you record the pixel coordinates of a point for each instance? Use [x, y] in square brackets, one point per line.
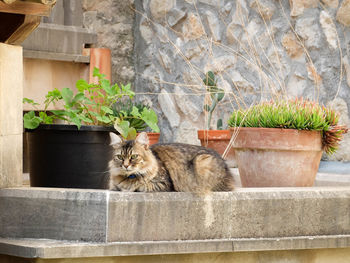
[129, 157]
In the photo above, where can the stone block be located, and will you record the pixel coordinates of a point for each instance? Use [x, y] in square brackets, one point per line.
[11, 89]
[53, 214]
[10, 160]
[159, 8]
[104, 216]
[167, 105]
[298, 6]
[244, 213]
[343, 14]
[59, 39]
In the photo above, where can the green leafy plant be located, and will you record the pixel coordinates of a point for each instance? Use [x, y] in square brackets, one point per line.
[91, 105]
[134, 117]
[293, 114]
[216, 95]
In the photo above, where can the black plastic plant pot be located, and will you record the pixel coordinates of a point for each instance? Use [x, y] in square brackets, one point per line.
[63, 156]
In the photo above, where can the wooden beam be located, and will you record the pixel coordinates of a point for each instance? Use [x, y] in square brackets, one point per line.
[26, 8]
[9, 1]
[29, 25]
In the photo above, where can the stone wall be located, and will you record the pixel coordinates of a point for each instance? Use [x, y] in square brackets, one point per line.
[257, 48]
[113, 22]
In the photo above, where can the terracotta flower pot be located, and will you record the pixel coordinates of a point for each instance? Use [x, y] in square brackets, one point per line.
[269, 157]
[153, 137]
[217, 140]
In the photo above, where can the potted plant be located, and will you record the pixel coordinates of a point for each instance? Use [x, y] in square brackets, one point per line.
[219, 138]
[132, 118]
[280, 143]
[76, 154]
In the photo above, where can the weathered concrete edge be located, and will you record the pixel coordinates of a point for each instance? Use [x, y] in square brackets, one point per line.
[43, 248]
[55, 56]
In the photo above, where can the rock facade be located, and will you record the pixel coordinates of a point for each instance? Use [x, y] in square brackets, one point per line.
[257, 48]
[113, 22]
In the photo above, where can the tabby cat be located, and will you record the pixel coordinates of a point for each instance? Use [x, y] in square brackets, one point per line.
[138, 167]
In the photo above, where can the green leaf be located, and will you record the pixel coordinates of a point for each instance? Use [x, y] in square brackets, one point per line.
[54, 94]
[26, 100]
[220, 95]
[84, 118]
[45, 118]
[106, 109]
[82, 85]
[67, 95]
[96, 73]
[219, 124]
[150, 118]
[122, 127]
[95, 114]
[206, 107]
[135, 112]
[103, 119]
[80, 96]
[30, 121]
[127, 90]
[209, 79]
[106, 85]
[132, 134]
[115, 90]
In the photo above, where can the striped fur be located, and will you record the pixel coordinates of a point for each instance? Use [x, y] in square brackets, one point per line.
[136, 167]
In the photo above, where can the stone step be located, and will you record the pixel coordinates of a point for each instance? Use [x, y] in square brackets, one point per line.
[48, 248]
[104, 216]
[331, 167]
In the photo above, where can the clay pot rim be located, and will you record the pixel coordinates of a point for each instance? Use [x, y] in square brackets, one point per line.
[153, 134]
[273, 129]
[214, 134]
[277, 139]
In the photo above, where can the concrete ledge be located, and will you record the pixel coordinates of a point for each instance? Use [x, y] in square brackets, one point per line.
[59, 39]
[53, 213]
[331, 179]
[44, 248]
[245, 213]
[338, 176]
[104, 216]
[55, 56]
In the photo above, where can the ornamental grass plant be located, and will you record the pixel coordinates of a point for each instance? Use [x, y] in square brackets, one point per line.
[297, 114]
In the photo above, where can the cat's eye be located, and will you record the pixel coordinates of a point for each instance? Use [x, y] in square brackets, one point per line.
[120, 157]
[134, 156]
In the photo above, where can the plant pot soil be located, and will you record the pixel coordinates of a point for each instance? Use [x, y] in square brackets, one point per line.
[271, 157]
[63, 156]
[218, 140]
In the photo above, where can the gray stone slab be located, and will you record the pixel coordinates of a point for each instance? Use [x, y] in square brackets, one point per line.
[59, 39]
[245, 213]
[334, 177]
[63, 214]
[55, 56]
[331, 179]
[334, 167]
[44, 248]
[101, 215]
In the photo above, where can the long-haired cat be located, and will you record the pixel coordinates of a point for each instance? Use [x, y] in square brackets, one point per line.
[138, 167]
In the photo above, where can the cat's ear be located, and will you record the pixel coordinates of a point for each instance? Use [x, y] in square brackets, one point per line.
[142, 138]
[115, 139]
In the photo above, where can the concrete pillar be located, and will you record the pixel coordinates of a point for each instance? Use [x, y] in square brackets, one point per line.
[11, 122]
